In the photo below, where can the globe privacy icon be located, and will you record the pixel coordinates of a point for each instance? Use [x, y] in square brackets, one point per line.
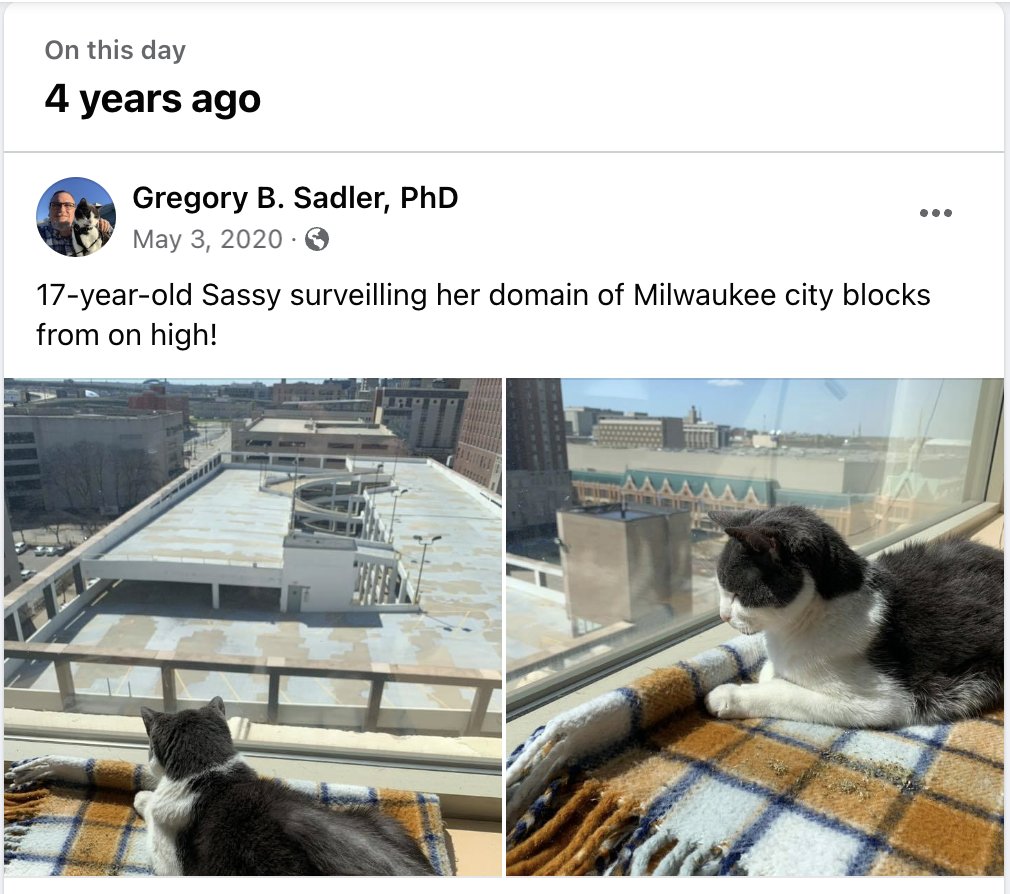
[317, 238]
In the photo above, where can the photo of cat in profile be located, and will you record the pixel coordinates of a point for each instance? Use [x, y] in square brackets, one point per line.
[211, 814]
[85, 236]
[913, 637]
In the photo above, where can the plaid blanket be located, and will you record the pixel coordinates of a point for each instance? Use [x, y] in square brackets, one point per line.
[643, 781]
[80, 820]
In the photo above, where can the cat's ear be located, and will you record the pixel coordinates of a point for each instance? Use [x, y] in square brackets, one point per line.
[757, 540]
[726, 518]
[149, 717]
[218, 704]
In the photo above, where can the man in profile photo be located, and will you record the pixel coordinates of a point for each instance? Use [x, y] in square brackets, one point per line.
[57, 231]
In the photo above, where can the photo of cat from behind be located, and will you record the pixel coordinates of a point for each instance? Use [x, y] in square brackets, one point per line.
[915, 636]
[211, 814]
[85, 235]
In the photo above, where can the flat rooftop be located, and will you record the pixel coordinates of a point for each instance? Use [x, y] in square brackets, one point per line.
[540, 631]
[329, 426]
[228, 520]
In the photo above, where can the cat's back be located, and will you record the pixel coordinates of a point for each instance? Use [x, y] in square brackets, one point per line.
[946, 578]
[942, 626]
[245, 825]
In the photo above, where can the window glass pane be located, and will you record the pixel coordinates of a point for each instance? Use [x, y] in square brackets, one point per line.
[609, 543]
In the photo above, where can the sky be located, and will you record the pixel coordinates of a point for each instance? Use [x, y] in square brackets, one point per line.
[937, 408]
[79, 188]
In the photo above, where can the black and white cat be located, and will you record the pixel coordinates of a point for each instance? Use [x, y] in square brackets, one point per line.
[915, 636]
[211, 814]
[85, 235]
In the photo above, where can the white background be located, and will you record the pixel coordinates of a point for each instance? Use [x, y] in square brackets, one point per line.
[873, 81]
[828, 128]
[532, 220]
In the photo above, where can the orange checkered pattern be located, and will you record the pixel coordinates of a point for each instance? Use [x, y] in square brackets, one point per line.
[81, 821]
[671, 790]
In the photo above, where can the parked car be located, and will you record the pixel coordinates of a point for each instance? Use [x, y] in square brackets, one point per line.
[20, 547]
[58, 550]
[27, 573]
[40, 550]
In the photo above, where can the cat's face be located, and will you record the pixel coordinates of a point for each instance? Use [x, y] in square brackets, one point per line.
[776, 563]
[185, 743]
[86, 216]
[757, 583]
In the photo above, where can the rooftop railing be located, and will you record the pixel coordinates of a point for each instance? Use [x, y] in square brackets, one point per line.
[377, 674]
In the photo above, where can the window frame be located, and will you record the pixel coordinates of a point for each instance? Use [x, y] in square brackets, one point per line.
[983, 501]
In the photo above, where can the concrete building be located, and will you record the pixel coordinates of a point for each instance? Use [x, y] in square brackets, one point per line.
[285, 392]
[12, 570]
[698, 494]
[537, 481]
[427, 420]
[451, 384]
[251, 391]
[701, 435]
[60, 459]
[625, 565]
[303, 433]
[479, 448]
[155, 398]
[765, 440]
[706, 436]
[653, 433]
[829, 471]
[579, 421]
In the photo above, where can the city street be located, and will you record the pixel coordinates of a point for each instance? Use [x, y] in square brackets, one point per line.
[213, 436]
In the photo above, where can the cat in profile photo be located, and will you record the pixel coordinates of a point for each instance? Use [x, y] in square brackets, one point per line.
[76, 227]
[85, 234]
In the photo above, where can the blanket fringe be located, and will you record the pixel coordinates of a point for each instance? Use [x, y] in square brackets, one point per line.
[663, 852]
[23, 805]
[20, 808]
[586, 829]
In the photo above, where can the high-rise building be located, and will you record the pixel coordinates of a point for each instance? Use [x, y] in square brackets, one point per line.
[478, 451]
[426, 419]
[537, 480]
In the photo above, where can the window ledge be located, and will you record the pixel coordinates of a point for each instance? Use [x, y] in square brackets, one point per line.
[983, 523]
[463, 772]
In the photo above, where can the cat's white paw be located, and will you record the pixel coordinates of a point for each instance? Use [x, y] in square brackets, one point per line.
[725, 701]
[140, 801]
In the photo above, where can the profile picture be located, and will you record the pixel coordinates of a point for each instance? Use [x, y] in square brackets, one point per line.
[76, 217]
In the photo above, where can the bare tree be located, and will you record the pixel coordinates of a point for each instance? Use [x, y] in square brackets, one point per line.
[60, 471]
[135, 475]
[79, 474]
[52, 526]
